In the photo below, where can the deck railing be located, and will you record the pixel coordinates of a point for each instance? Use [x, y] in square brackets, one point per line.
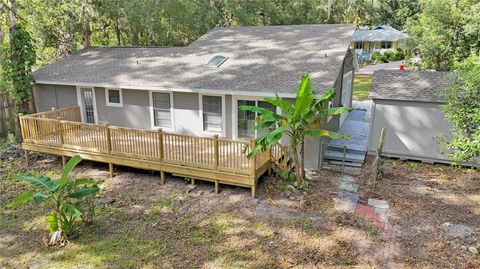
[62, 128]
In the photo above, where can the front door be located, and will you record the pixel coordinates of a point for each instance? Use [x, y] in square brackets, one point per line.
[87, 105]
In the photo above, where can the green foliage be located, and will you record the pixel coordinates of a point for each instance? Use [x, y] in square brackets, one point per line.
[19, 57]
[462, 109]
[303, 185]
[296, 121]
[444, 32]
[70, 198]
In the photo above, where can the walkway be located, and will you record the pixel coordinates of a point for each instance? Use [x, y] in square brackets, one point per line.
[369, 69]
[356, 146]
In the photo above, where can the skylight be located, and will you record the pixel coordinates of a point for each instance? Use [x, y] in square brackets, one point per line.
[217, 61]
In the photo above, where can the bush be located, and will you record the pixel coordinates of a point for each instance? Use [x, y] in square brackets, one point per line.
[399, 54]
[69, 198]
[376, 56]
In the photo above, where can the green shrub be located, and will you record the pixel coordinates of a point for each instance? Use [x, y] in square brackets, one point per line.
[70, 198]
[376, 56]
[398, 55]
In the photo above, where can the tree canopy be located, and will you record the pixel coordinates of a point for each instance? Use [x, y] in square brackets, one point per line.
[62, 27]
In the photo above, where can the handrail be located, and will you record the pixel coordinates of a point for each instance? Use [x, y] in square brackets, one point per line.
[218, 154]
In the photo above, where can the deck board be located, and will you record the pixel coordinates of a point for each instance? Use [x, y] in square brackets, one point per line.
[209, 158]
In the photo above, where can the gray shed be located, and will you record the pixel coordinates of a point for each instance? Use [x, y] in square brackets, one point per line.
[407, 105]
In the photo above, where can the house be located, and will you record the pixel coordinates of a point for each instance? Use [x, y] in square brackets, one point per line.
[381, 38]
[198, 89]
[407, 104]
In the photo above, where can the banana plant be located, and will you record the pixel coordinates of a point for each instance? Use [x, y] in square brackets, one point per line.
[62, 194]
[297, 121]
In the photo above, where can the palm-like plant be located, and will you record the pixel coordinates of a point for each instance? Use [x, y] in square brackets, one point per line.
[296, 121]
[62, 194]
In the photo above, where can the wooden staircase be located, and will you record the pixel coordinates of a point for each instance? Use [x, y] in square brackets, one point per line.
[351, 151]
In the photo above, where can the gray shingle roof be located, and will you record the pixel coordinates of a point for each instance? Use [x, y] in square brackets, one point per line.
[380, 33]
[261, 59]
[410, 85]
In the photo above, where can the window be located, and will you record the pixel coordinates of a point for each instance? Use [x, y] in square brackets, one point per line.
[161, 106]
[212, 113]
[114, 97]
[358, 45]
[217, 61]
[246, 119]
[386, 45]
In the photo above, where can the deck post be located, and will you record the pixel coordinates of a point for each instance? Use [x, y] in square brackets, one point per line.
[160, 144]
[162, 178]
[160, 155]
[272, 161]
[254, 170]
[62, 138]
[253, 160]
[215, 154]
[109, 148]
[217, 187]
[27, 157]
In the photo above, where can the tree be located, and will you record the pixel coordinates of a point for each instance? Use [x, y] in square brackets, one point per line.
[17, 66]
[443, 32]
[462, 109]
[62, 194]
[296, 121]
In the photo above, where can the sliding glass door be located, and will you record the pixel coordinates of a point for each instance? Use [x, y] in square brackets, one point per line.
[246, 119]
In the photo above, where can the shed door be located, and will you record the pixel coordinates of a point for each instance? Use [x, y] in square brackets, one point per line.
[346, 93]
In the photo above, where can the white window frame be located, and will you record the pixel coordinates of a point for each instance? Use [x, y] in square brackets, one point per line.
[172, 112]
[80, 103]
[224, 116]
[107, 99]
[235, 111]
[386, 42]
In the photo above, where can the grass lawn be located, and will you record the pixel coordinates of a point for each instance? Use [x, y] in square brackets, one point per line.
[361, 87]
[141, 224]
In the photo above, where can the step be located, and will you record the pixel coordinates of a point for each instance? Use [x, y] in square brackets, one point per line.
[349, 157]
[350, 164]
[349, 150]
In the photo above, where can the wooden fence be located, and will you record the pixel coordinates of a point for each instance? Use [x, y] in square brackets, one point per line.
[7, 115]
[216, 159]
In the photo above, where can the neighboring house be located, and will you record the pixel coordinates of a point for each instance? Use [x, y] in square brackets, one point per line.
[197, 90]
[407, 104]
[381, 38]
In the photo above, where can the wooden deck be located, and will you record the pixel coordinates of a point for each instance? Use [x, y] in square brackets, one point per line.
[222, 161]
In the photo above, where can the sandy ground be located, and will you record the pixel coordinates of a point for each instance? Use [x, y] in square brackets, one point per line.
[434, 211]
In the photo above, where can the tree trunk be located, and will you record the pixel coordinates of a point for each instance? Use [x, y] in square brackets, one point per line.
[302, 156]
[118, 34]
[298, 173]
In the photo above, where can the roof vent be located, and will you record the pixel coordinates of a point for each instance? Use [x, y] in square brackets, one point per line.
[217, 61]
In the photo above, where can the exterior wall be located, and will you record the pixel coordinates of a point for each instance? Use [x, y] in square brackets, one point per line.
[313, 149]
[369, 47]
[58, 96]
[410, 129]
[134, 113]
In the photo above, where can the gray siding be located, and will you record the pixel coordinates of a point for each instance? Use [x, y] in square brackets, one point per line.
[187, 113]
[312, 144]
[58, 96]
[134, 113]
[411, 128]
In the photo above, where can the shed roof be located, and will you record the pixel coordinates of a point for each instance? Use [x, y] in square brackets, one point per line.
[379, 33]
[423, 86]
[261, 59]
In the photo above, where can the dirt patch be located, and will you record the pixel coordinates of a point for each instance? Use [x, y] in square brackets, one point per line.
[143, 224]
